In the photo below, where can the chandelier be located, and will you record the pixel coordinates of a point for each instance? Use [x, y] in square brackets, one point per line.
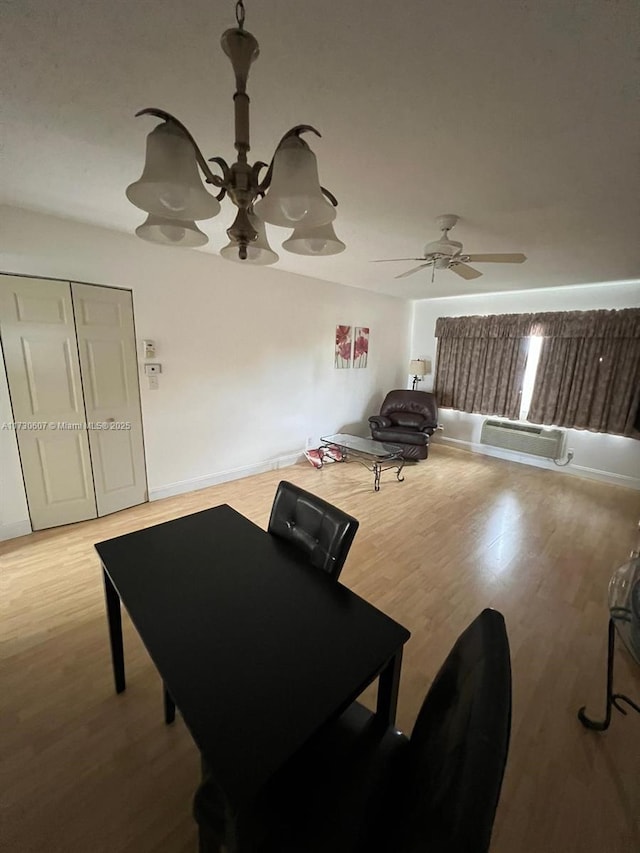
[289, 194]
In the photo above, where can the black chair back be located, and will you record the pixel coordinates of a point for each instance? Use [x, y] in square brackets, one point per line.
[359, 787]
[319, 529]
[458, 748]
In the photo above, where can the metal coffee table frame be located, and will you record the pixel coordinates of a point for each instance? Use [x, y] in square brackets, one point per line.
[372, 454]
[620, 616]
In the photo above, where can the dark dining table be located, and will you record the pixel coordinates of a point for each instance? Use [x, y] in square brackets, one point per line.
[257, 649]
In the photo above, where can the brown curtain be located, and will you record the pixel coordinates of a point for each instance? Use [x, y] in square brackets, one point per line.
[588, 376]
[481, 362]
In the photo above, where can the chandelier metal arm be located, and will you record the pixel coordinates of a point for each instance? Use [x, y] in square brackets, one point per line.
[255, 173]
[297, 130]
[209, 176]
[226, 176]
[330, 196]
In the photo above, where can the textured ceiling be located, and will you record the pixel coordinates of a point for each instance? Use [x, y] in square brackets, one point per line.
[521, 117]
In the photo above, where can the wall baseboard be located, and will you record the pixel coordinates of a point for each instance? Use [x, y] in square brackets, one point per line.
[525, 459]
[196, 483]
[23, 528]
[15, 529]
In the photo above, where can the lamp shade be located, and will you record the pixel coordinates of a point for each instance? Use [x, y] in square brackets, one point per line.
[170, 184]
[295, 195]
[418, 367]
[259, 252]
[318, 240]
[171, 232]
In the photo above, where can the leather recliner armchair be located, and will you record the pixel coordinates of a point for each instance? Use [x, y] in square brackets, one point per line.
[407, 418]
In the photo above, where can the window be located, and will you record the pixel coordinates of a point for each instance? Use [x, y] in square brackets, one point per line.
[575, 369]
[528, 381]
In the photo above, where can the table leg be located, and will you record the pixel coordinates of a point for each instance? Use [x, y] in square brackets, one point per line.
[169, 706]
[602, 725]
[376, 476]
[388, 686]
[399, 471]
[114, 618]
[612, 698]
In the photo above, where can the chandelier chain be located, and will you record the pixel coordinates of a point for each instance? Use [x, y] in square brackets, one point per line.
[240, 14]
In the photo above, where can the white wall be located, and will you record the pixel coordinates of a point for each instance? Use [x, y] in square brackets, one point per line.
[246, 352]
[607, 457]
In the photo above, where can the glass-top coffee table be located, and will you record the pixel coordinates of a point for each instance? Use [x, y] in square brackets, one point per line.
[624, 620]
[376, 456]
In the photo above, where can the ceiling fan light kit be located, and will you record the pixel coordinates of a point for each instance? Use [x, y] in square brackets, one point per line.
[171, 191]
[446, 254]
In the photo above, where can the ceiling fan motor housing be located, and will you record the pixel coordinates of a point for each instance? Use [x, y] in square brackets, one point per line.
[444, 246]
[447, 221]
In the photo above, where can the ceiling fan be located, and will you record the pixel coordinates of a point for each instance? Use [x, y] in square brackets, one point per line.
[446, 254]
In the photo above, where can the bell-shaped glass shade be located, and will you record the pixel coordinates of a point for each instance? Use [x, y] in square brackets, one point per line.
[320, 240]
[171, 232]
[170, 184]
[259, 252]
[295, 195]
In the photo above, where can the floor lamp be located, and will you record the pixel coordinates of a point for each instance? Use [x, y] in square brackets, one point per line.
[419, 369]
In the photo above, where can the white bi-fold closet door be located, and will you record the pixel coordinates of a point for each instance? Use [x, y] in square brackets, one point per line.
[70, 356]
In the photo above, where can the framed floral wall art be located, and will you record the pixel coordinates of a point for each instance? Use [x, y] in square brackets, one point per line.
[343, 346]
[360, 346]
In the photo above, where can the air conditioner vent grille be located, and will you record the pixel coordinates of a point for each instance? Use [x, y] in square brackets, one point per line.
[521, 438]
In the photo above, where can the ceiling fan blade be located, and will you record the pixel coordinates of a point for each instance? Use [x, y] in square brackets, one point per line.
[415, 269]
[517, 258]
[464, 271]
[386, 260]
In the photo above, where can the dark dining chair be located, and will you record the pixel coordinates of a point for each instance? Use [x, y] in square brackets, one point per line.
[313, 526]
[358, 786]
[320, 530]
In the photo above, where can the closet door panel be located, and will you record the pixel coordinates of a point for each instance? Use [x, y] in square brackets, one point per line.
[106, 342]
[43, 372]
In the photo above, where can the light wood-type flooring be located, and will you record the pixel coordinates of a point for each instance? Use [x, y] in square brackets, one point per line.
[86, 771]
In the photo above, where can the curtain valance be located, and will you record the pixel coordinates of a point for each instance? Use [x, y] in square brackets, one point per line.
[623, 323]
[489, 326]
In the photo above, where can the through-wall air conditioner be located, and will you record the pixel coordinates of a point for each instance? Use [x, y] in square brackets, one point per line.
[520, 438]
